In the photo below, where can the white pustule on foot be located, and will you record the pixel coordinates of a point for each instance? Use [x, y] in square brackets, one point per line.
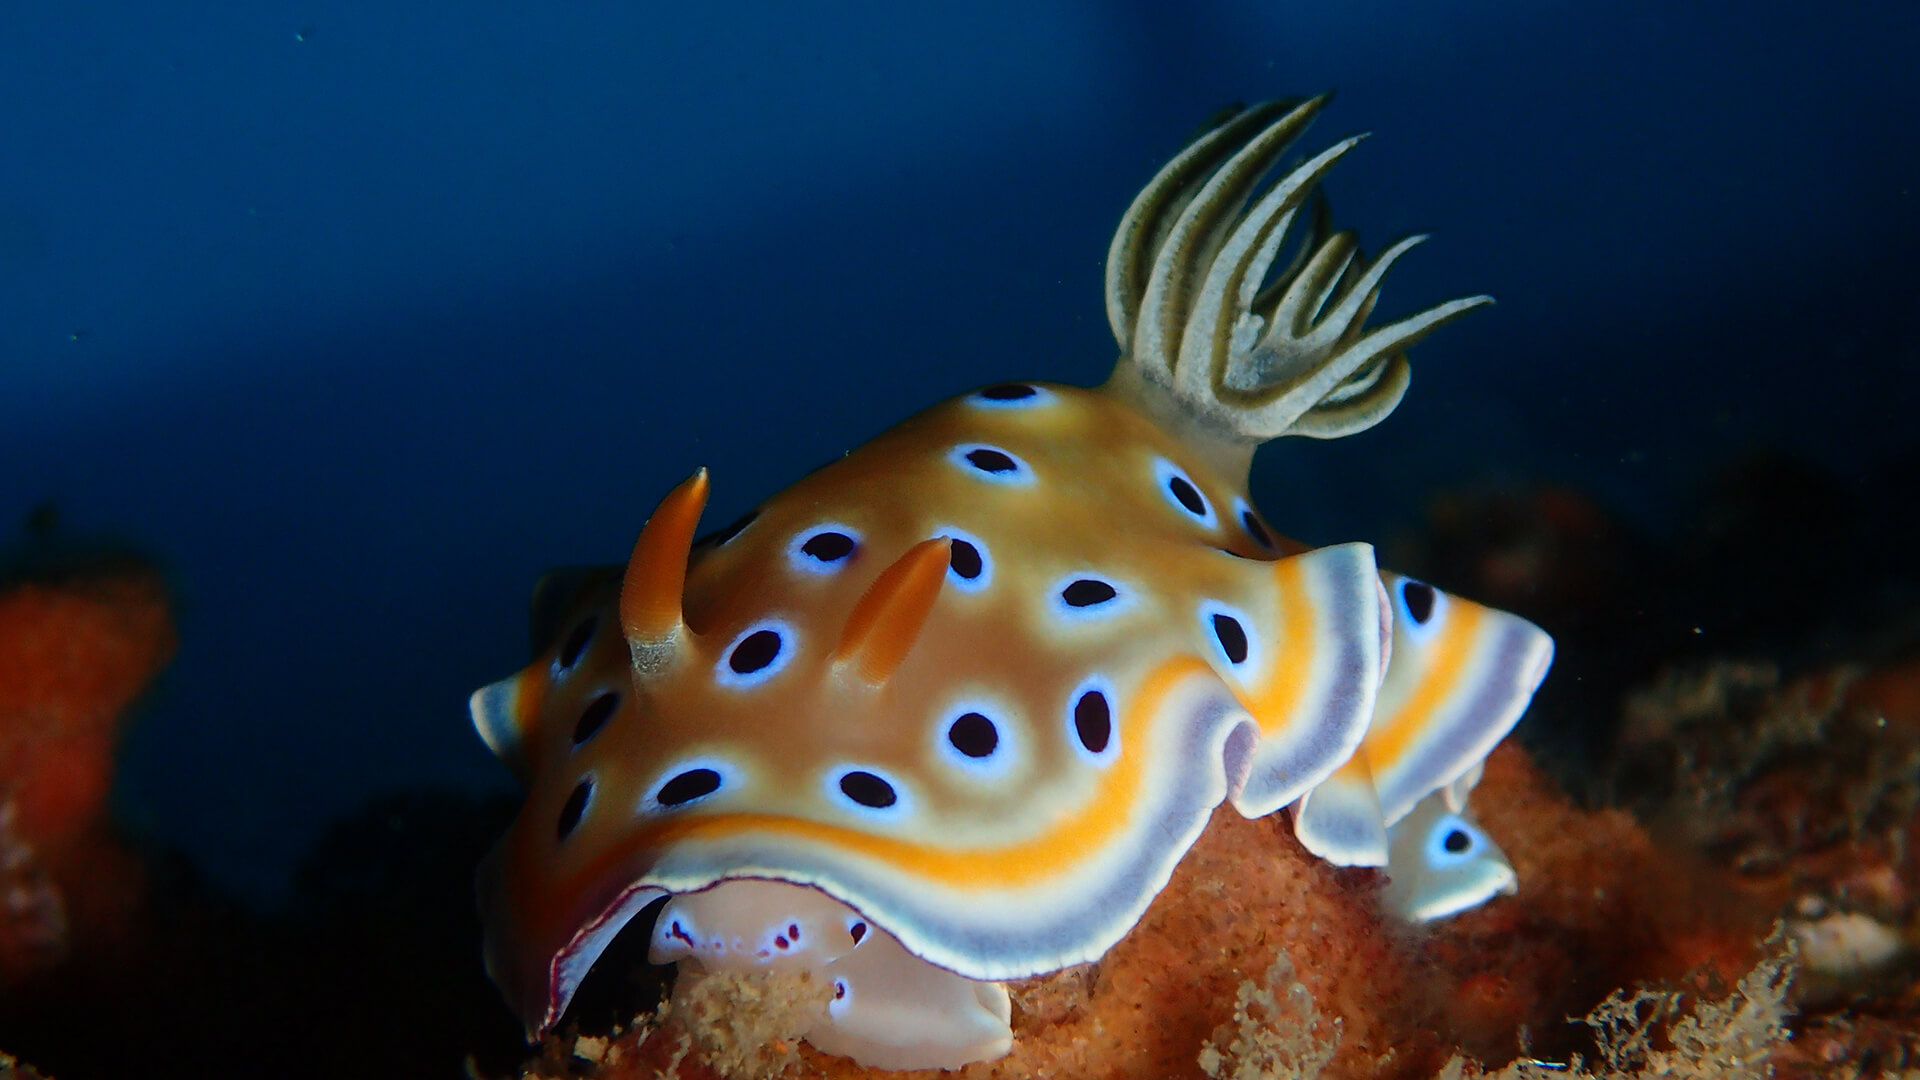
[890, 1009]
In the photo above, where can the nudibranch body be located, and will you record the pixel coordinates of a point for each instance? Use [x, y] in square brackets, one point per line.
[949, 710]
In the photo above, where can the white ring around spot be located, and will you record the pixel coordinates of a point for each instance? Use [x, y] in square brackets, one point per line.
[902, 798]
[1111, 752]
[1123, 599]
[1040, 396]
[1006, 749]
[1242, 514]
[1164, 473]
[981, 580]
[1255, 661]
[723, 672]
[1403, 616]
[1020, 475]
[729, 777]
[807, 563]
[1436, 851]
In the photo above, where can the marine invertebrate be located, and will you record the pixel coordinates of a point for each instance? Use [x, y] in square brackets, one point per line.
[950, 710]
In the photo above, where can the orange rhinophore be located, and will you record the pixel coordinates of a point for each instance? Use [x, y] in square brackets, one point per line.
[887, 620]
[650, 604]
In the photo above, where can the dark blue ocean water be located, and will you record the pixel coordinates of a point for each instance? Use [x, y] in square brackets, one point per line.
[358, 315]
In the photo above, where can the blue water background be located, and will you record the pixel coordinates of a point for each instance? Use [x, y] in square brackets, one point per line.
[358, 315]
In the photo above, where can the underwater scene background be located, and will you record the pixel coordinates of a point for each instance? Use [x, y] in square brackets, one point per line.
[325, 329]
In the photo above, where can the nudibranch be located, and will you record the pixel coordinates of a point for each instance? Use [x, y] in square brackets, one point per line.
[949, 710]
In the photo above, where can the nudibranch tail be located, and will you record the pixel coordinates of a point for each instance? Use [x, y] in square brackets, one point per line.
[1186, 303]
[1442, 863]
[650, 598]
[1459, 677]
[1462, 675]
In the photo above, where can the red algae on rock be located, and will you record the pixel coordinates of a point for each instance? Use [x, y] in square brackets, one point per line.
[74, 655]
